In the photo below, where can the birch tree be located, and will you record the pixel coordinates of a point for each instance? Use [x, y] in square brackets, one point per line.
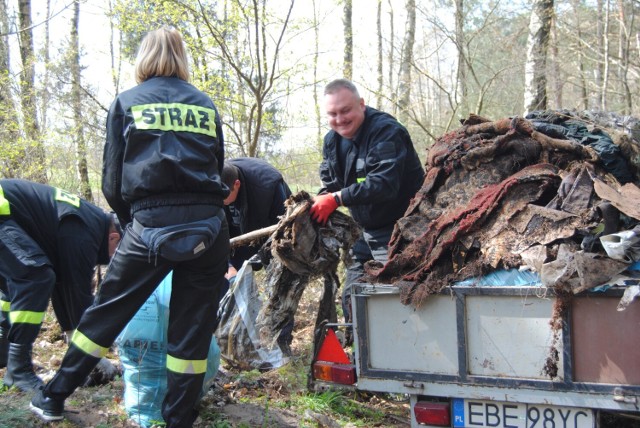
[605, 52]
[600, 46]
[406, 63]
[348, 40]
[461, 76]
[580, 48]
[390, 60]
[535, 90]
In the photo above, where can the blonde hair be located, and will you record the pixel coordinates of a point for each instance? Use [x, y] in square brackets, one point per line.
[162, 53]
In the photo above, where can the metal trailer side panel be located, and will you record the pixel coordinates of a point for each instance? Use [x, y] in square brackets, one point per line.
[493, 343]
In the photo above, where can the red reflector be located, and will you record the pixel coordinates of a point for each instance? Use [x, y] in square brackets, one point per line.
[344, 374]
[331, 349]
[432, 413]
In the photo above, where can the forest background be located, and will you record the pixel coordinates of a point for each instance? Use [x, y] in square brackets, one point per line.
[264, 63]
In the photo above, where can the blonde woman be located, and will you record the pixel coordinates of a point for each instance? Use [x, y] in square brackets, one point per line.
[161, 175]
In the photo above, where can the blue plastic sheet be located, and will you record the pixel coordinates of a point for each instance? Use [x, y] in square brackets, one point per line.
[142, 347]
[504, 277]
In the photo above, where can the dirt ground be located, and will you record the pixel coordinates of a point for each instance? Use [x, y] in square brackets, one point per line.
[236, 399]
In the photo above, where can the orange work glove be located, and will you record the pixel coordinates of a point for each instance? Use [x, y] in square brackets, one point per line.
[323, 206]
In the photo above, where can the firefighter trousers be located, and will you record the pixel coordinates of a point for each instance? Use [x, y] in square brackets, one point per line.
[132, 276]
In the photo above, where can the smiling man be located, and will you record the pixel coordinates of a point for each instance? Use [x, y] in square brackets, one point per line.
[370, 166]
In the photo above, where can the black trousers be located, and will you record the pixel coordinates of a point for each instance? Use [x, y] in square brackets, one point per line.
[27, 282]
[372, 245]
[131, 278]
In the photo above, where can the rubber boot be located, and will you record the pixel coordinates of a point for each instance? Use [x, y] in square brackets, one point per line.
[20, 369]
[4, 347]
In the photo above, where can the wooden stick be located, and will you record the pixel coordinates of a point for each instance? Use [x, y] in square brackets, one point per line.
[252, 236]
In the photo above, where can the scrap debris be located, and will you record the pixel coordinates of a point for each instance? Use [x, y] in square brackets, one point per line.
[303, 250]
[529, 193]
[255, 317]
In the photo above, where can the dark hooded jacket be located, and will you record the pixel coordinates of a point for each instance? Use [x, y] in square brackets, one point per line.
[379, 178]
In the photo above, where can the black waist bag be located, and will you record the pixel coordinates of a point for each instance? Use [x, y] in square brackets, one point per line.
[180, 242]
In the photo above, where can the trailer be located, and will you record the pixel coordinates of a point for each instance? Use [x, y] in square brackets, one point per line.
[495, 356]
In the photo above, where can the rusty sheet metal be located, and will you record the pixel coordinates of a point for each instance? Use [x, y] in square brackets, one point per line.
[601, 339]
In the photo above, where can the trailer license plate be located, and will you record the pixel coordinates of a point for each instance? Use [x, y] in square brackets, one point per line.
[479, 413]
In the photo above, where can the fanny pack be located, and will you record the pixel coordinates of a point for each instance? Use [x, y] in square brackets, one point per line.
[179, 242]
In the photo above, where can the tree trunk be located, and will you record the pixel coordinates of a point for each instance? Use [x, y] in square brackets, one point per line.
[316, 55]
[461, 78]
[623, 54]
[605, 69]
[558, 78]
[600, 52]
[535, 91]
[584, 94]
[9, 158]
[348, 40]
[404, 95]
[380, 71]
[34, 149]
[46, 94]
[391, 61]
[76, 100]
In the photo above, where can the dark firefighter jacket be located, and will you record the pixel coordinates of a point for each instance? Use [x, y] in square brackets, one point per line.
[260, 202]
[38, 210]
[380, 177]
[178, 129]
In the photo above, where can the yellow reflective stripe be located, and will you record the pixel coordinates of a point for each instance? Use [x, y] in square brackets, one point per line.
[5, 208]
[177, 365]
[360, 180]
[5, 306]
[88, 346]
[68, 197]
[26, 317]
[175, 117]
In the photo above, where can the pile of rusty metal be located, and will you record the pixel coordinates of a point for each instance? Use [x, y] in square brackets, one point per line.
[536, 193]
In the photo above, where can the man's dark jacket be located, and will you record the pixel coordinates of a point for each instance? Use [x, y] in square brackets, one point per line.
[380, 177]
[260, 202]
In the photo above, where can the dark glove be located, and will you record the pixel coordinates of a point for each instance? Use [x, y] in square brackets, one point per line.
[323, 206]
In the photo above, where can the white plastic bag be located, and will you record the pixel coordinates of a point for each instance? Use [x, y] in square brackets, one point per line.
[623, 246]
[237, 334]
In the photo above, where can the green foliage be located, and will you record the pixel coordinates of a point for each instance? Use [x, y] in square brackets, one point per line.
[340, 406]
[299, 166]
[249, 377]
[225, 64]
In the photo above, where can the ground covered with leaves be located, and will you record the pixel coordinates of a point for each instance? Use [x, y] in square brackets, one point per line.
[243, 399]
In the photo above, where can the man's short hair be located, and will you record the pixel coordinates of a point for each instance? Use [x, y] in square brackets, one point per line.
[229, 175]
[337, 84]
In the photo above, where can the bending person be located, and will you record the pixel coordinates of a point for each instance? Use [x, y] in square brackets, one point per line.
[50, 242]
